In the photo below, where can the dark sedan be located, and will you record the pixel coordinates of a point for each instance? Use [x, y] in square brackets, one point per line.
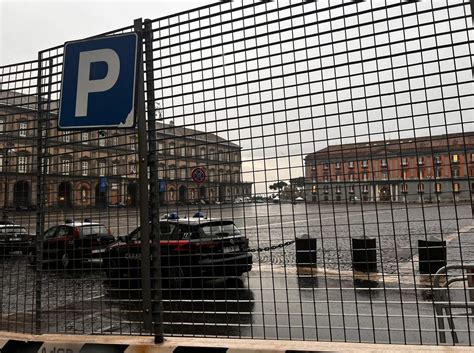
[13, 237]
[73, 243]
[191, 248]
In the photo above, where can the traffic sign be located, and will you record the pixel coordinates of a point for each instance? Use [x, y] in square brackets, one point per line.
[199, 175]
[98, 84]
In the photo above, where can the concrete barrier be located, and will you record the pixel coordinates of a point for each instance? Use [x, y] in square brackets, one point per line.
[20, 343]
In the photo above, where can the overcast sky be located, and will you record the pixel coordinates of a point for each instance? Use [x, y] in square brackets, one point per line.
[27, 26]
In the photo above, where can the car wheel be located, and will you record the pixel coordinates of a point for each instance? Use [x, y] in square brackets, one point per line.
[66, 261]
[31, 257]
[175, 277]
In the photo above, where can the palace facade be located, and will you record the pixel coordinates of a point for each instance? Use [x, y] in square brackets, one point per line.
[425, 169]
[100, 168]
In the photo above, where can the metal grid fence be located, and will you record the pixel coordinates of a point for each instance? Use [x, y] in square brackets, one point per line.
[308, 169]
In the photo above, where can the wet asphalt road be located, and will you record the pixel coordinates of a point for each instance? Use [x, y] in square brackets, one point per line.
[272, 301]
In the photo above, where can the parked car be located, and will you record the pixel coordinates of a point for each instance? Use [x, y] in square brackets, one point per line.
[73, 243]
[194, 247]
[13, 237]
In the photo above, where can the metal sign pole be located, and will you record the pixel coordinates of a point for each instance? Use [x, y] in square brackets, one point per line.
[143, 184]
[156, 286]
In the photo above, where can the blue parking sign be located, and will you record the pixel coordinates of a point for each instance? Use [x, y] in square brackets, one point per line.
[98, 84]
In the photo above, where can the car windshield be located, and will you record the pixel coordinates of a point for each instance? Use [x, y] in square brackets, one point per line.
[220, 229]
[93, 229]
[19, 230]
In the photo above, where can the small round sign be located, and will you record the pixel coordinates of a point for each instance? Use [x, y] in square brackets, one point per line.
[199, 175]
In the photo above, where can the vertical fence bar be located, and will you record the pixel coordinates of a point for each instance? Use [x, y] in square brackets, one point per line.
[143, 184]
[40, 180]
[156, 285]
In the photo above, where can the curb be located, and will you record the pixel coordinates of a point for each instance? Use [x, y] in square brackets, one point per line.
[20, 343]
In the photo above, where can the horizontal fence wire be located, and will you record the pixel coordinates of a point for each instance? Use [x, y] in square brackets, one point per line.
[310, 169]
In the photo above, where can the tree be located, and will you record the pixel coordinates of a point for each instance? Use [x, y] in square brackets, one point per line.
[299, 182]
[278, 186]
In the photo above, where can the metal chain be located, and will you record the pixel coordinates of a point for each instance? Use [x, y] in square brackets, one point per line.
[273, 247]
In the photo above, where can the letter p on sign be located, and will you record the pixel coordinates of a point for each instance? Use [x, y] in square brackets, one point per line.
[98, 85]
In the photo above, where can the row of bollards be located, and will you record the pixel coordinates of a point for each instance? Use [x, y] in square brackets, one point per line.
[431, 253]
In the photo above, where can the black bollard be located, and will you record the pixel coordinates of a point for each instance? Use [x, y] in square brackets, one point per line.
[432, 255]
[364, 254]
[305, 251]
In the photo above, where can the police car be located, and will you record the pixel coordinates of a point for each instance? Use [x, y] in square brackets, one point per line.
[191, 248]
[73, 243]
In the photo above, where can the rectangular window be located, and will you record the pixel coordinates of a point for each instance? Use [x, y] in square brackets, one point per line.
[326, 177]
[2, 125]
[326, 189]
[456, 187]
[161, 147]
[420, 174]
[438, 172]
[384, 176]
[102, 141]
[351, 177]
[404, 174]
[46, 164]
[405, 188]
[455, 172]
[182, 173]
[437, 187]
[22, 160]
[23, 128]
[404, 161]
[66, 166]
[338, 190]
[437, 159]
[314, 189]
[172, 173]
[132, 144]
[472, 155]
[383, 162]
[421, 188]
[455, 158]
[183, 151]
[326, 166]
[365, 164]
[338, 177]
[114, 169]
[1, 163]
[85, 168]
[338, 165]
[101, 168]
[66, 137]
[365, 176]
[420, 160]
[351, 189]
[351, 164]
[115, 141]
[85, 138]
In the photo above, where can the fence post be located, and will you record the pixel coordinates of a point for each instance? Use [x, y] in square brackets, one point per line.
[40, 181]
[143, 183]
[156, 285]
